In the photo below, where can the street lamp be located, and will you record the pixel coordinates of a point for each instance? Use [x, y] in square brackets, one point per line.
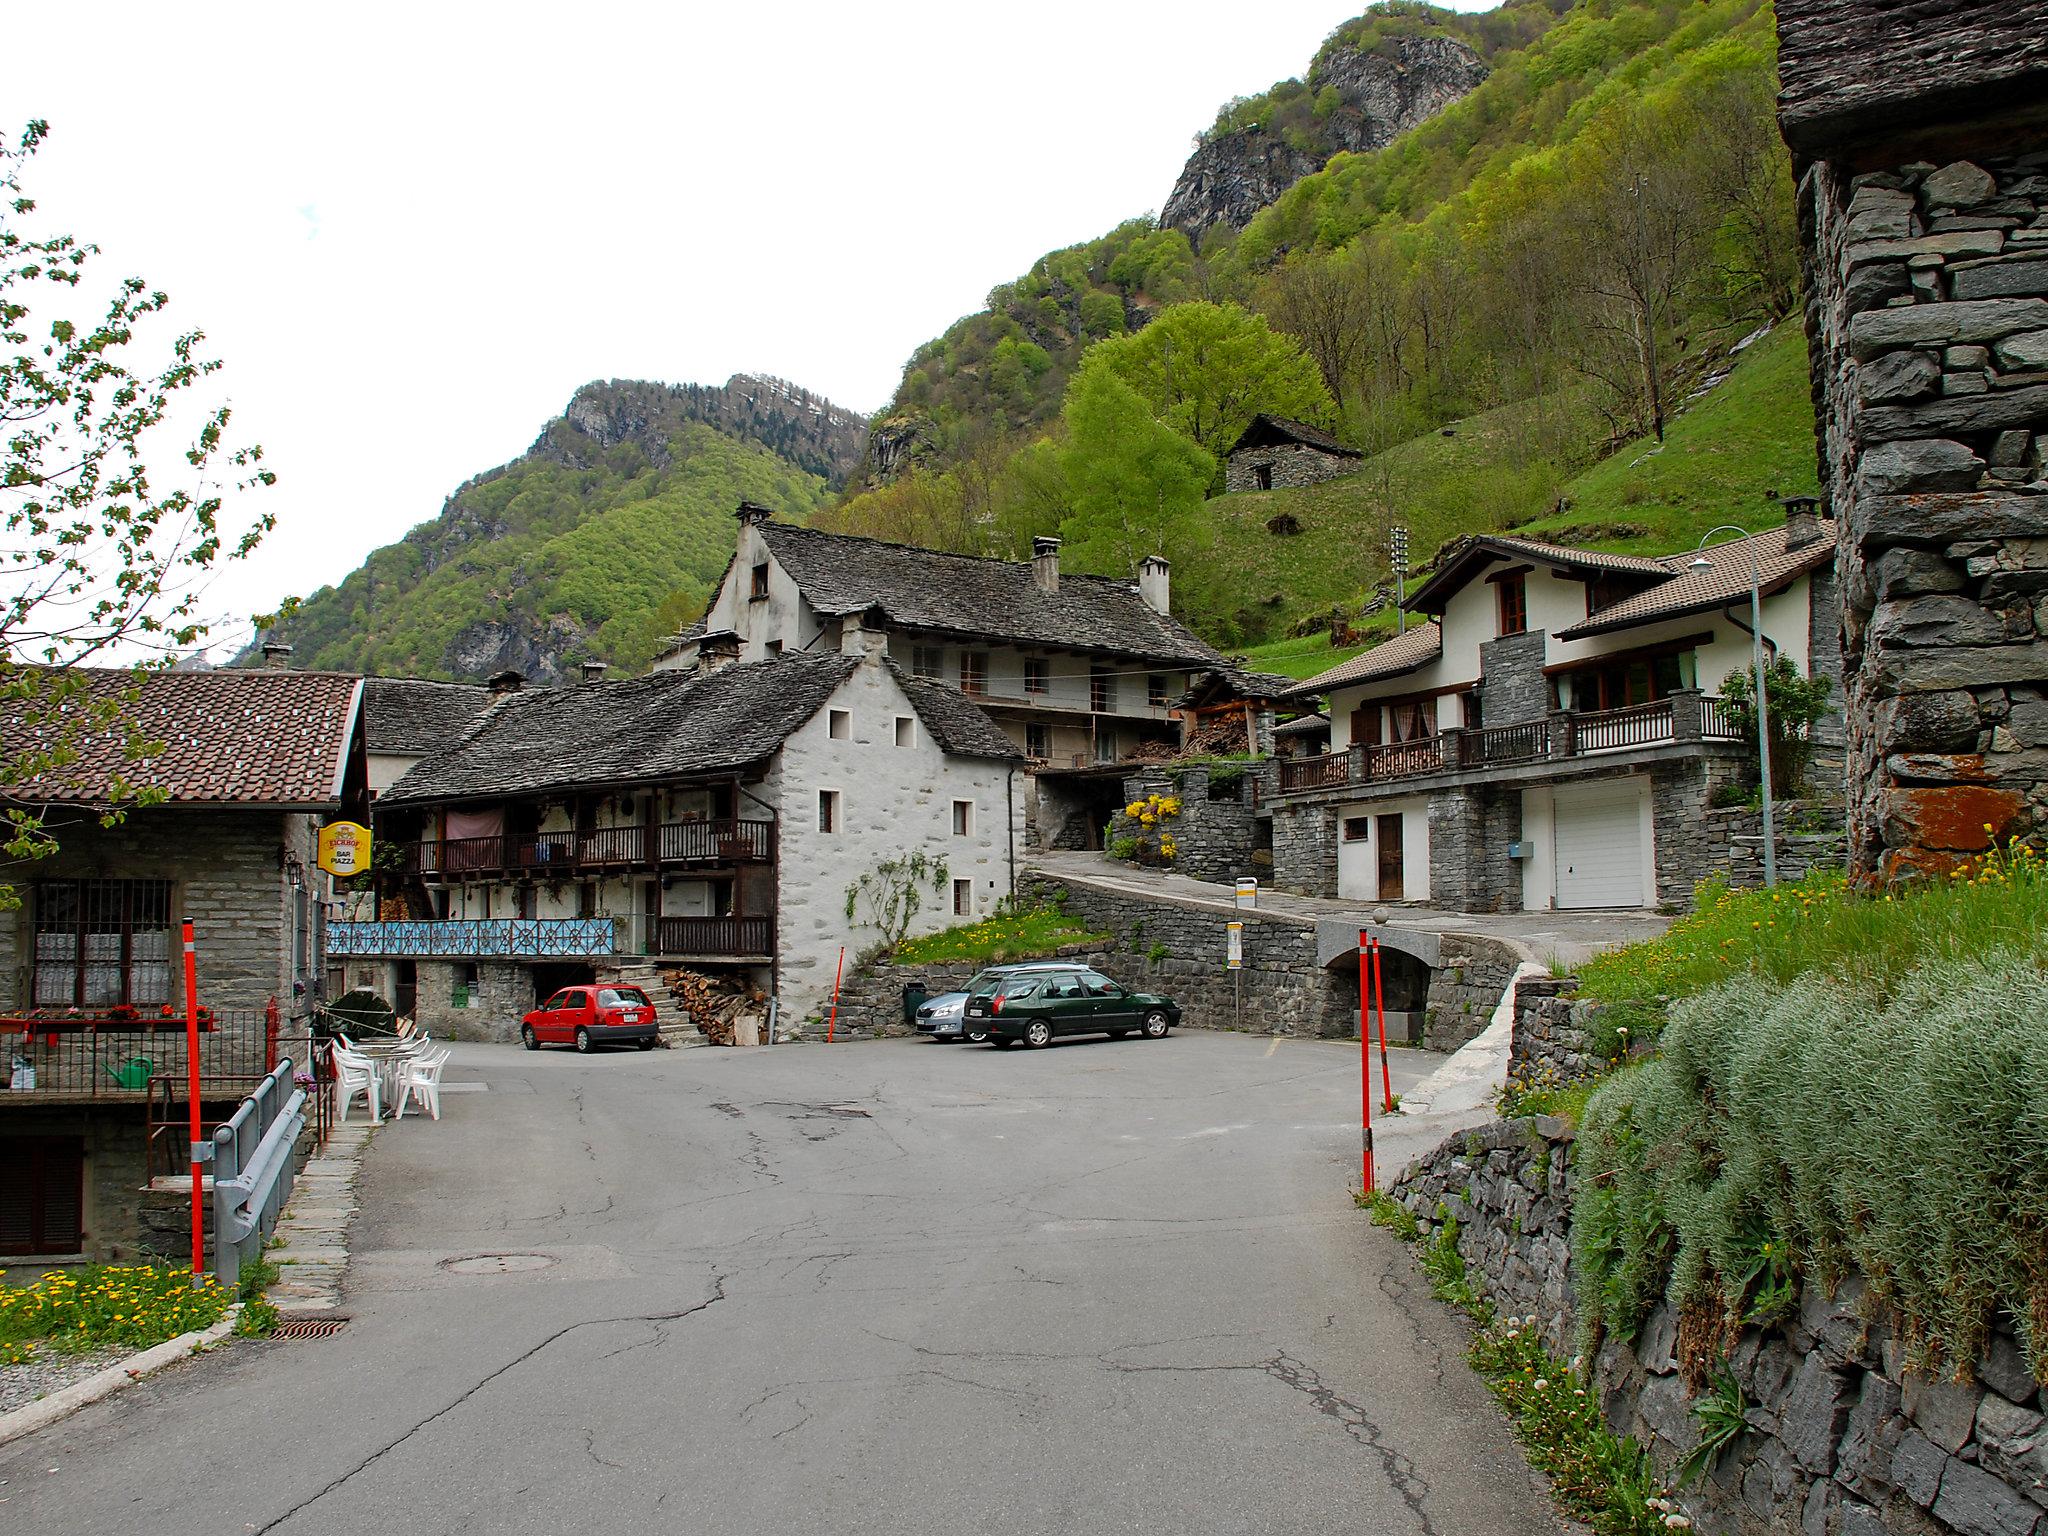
[1700, 562]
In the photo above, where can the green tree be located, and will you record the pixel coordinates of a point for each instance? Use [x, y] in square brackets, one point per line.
[114, 485]
[1134, 481]
[1206, 369]
[1796, 704]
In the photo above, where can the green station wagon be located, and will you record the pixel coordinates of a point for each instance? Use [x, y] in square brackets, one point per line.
[1036, 1006]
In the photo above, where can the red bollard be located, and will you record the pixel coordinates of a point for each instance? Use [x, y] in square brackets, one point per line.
[837, 976]
[270, 1036]
[1365, 1052]
[1379, 1001]
[192, 1101]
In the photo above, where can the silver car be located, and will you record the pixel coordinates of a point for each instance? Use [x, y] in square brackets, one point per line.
[944, 1017]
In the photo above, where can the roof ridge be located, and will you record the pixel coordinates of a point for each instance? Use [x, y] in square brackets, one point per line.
[947, 554]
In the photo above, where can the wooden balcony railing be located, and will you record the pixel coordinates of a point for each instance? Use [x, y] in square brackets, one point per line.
[1400, 759]
[544, 854]
[1504, 744]
[1325, 772]
[718, 936]
[1633, 725]
[1714, 723]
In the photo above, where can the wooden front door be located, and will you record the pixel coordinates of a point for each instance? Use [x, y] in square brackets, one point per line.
[1393, 877]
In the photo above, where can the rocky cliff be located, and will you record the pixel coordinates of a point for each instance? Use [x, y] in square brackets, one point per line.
[808, 430]
[1378, 94]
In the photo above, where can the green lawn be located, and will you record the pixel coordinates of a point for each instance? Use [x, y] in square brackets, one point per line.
[1005, 936]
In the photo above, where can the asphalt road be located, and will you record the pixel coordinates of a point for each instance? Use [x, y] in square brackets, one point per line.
[882, 1287]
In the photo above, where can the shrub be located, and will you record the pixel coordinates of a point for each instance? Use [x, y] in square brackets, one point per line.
[1794, 1131]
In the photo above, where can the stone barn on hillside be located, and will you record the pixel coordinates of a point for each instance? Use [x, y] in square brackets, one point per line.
[1920, 148]
[1274, 452]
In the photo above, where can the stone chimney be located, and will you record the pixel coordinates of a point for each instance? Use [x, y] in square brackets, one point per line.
[1802, 521]
[1155, 583]
[753, 512]
[508, 681]
[718, 649]
[277, 655]
[1045, 565]
[594, 671]
[862, 635]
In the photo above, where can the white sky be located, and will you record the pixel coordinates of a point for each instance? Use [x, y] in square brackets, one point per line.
[411, 231]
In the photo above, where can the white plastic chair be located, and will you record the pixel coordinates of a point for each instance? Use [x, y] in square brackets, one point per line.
[355, 1074]
[419, 1081]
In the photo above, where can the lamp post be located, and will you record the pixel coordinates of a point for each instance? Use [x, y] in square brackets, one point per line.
[1700, 562]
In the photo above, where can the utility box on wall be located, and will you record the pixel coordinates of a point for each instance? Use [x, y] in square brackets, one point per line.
[1519, 850]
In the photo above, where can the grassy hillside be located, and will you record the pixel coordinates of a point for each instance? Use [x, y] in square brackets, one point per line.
[1513, 468]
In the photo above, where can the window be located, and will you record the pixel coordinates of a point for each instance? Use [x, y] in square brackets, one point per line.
[1514, 604]
[100, 942]
[1037, 675]
[1155, 690]
[774, 648]
[468, 985]
[906, 730]
[963, 898]
[839, 724]
[1101, 690]
[1038, 742]
[963, 818]
[42, 1205]
[828, 810]
[974, 671]
[759, 589]
[928, 660]
[1605, 592]
[1105, 744]
[1100, 986]
[1357, 828]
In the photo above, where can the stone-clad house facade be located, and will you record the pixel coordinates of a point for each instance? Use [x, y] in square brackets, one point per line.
[1275, 453]
[1549, 734]
[252, 764]
[714, 818]
[1082, 673]
[1921, 154]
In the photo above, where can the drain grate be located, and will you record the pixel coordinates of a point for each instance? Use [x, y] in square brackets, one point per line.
[309, 1328]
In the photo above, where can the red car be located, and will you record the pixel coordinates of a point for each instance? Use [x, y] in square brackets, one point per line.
[587, 1017]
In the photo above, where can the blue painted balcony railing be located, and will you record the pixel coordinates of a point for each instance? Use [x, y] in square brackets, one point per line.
[512, 937]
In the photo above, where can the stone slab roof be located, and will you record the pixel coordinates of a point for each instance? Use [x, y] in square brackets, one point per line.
[1265, 430]
[666, 725]
[416, 715]
[1849, 69]
[990, 600]
[1404, 653]
[1725, 581]
[230, 736]
[1308, 725]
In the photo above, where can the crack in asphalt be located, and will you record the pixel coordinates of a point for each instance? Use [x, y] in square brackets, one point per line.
[656, 1318]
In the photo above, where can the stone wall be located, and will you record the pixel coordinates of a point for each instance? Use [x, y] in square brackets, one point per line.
[503, 995]
[1470, 832]
[1292, 464]
[228, 874]
[1212, 834]
[1305, 848]
[1841, 1440]
[871, 1002]
[1512, 688]
[1465, 988]
[1928, 328]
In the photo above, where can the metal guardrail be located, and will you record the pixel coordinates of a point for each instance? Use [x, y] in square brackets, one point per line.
[253, 1169]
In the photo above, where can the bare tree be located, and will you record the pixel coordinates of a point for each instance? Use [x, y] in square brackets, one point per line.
[1324, 302]
[1740, 153]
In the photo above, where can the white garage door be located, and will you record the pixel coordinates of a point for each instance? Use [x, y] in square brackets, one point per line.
[1600, 845]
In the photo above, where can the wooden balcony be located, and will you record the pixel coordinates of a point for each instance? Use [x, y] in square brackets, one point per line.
[602, 850]
[719, 938]
[1683, 718]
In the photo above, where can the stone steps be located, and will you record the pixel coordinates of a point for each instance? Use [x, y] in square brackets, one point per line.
[678, 1029]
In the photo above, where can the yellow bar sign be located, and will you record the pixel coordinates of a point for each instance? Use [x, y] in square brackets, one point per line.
[344, 849]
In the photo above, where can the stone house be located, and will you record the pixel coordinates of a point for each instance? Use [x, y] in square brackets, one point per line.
[1082, 673]
[408, 718]
[1921, 158]
[1549, 736]
[715, 818]
[252, 763]
[1274, 453]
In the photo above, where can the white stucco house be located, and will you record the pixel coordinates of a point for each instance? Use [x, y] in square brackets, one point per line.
[714, 818]
[1547, 731]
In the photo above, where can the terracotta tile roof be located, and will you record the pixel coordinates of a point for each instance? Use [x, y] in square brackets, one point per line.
[416, 715]
[1280, 429]
[992, 600]
[1851, 68]
[666, 725]
[1404, 653]
[1725, 581]
[1468, 556]
[231, 736]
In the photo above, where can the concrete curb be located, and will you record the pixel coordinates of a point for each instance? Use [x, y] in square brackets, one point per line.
[45, 1411]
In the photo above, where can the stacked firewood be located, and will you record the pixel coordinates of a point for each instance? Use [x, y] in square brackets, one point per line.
[727, 1010]
[1216, 736]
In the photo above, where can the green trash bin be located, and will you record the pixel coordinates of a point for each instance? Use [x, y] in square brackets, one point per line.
[134, 1073]
[914, 995]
